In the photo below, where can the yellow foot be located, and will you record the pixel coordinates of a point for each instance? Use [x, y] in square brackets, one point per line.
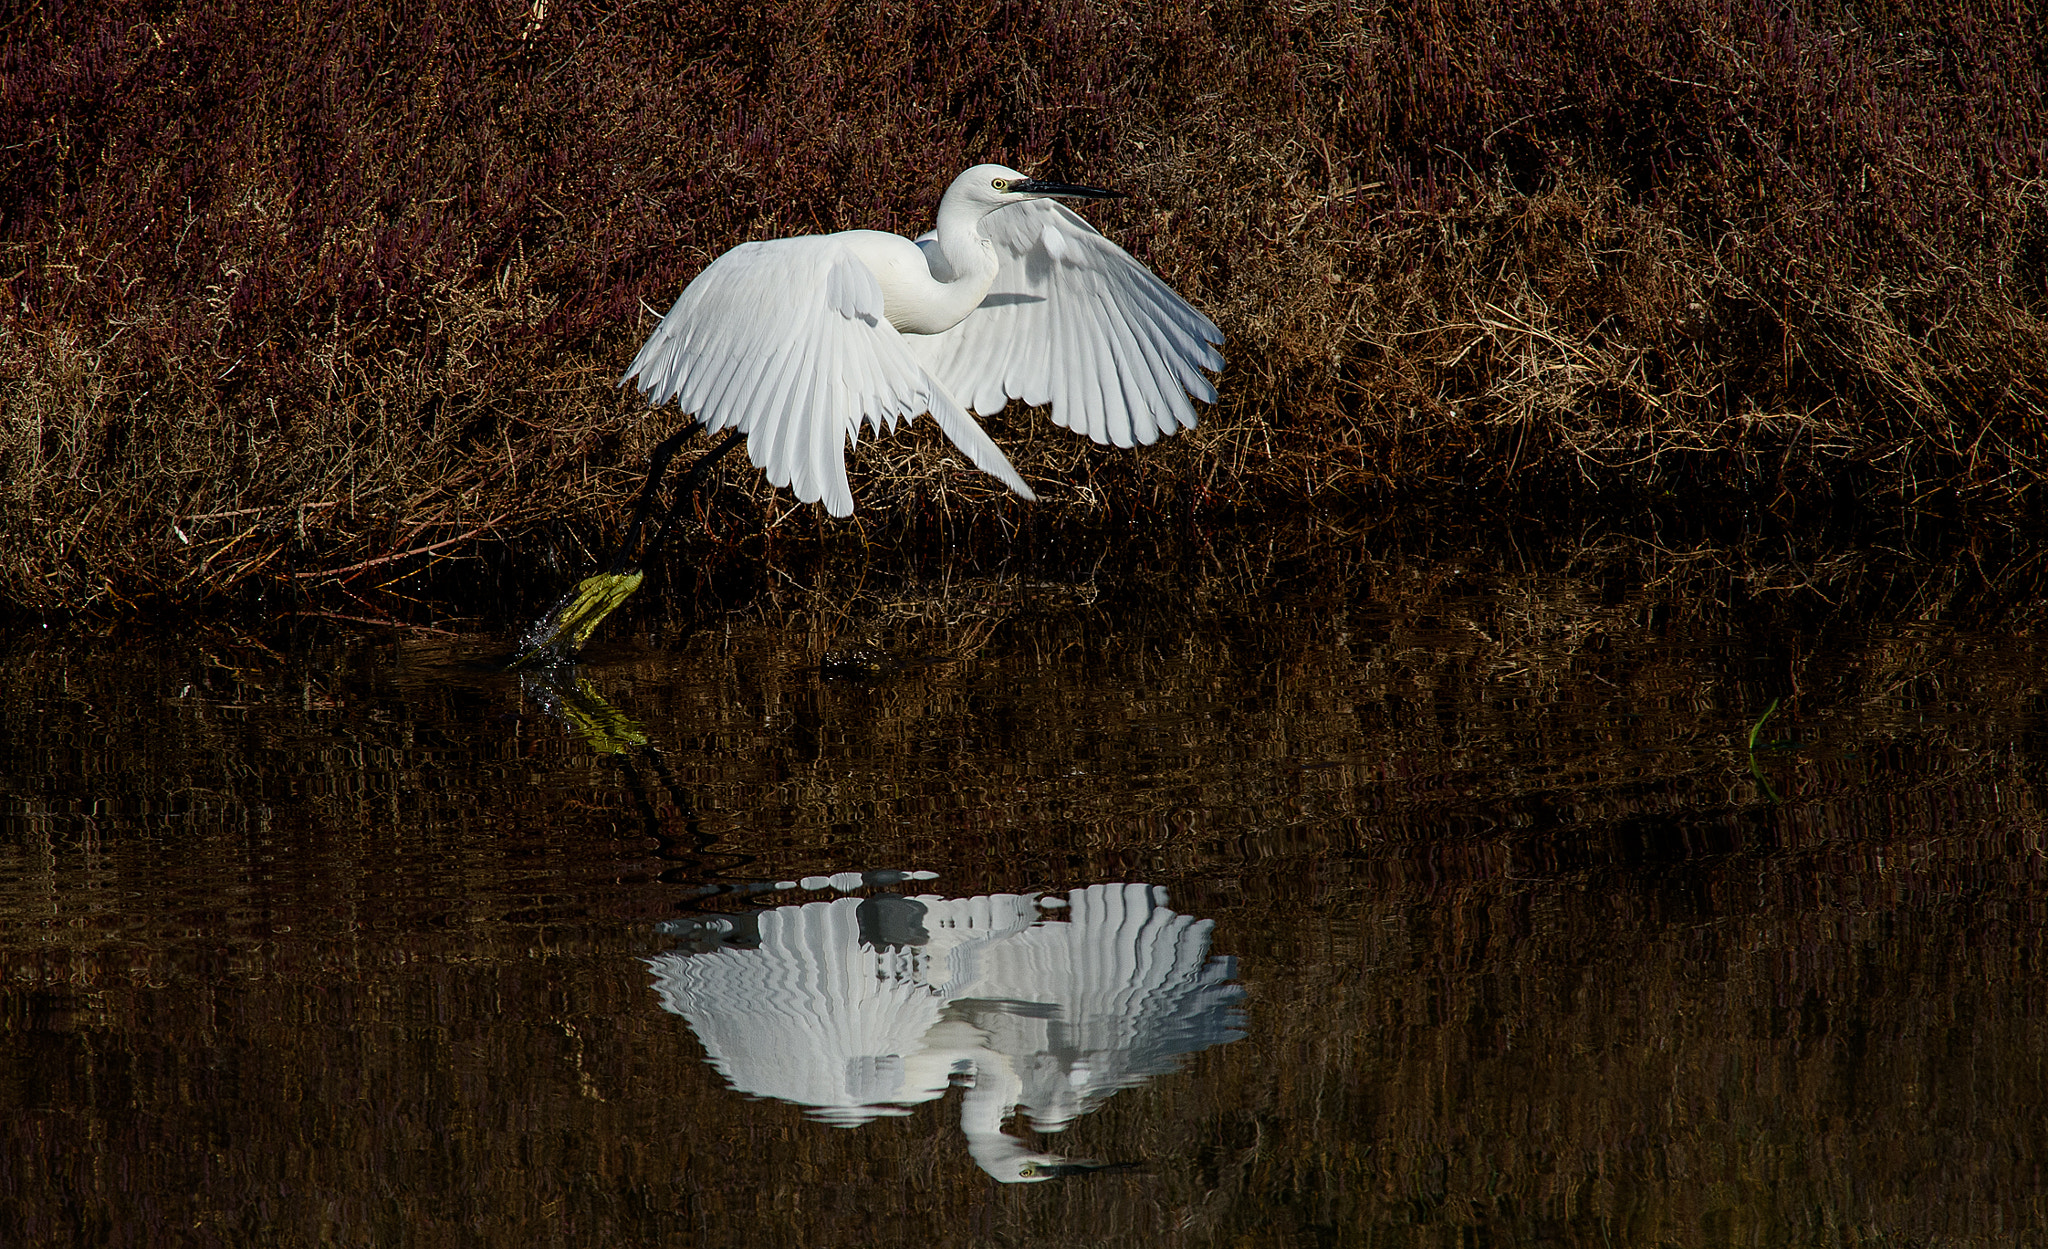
[568, 624]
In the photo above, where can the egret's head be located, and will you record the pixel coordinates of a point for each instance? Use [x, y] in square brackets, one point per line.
[1007, 1160]
[1038, 1168]
[993, 186]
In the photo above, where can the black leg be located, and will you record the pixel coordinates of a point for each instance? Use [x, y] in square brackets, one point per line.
[657, 467]
[684, 489]
[559, 634]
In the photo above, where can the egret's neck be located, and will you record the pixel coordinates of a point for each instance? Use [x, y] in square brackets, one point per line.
[984, 1108]
[964, 266]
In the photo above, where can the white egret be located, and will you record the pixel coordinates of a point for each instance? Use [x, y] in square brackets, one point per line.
[793, 343]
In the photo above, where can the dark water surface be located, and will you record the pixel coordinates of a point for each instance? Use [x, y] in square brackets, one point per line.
[1598, 897]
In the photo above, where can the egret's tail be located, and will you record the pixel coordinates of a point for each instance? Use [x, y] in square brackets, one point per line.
[973, 441]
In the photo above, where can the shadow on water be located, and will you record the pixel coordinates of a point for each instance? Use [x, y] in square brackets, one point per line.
[1259, 895]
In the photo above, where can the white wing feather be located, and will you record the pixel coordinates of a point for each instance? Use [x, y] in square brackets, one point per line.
[1074, 321]
[785, 340]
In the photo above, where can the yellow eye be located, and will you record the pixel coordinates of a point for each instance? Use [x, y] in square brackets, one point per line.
[1001, 184]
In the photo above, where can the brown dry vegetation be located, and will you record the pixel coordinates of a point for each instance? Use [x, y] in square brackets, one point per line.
[302, 296]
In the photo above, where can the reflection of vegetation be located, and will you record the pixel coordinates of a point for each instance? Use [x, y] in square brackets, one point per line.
[1756, 769]
[1529, 956]
[1757, 728]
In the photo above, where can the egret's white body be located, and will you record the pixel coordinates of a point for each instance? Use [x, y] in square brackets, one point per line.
[796, 341]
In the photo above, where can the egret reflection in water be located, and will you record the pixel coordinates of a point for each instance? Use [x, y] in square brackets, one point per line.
[862, 1007]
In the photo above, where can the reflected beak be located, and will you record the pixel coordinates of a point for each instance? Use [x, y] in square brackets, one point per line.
[1077, 1166]
[1032, 186]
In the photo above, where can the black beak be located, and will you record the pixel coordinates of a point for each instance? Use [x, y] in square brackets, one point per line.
[1032, 186]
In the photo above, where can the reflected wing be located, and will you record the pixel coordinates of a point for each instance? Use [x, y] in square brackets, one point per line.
[811, 1015]
[1074, 321]
[1131, 987]
[785, 340]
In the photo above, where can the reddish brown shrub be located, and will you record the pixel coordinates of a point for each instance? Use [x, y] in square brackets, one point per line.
[297, 290]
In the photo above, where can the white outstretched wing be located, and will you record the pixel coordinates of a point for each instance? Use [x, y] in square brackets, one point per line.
[785, 340]
[1074, 321]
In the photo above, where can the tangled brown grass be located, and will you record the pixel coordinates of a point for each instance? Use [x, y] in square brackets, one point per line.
[309, 300]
